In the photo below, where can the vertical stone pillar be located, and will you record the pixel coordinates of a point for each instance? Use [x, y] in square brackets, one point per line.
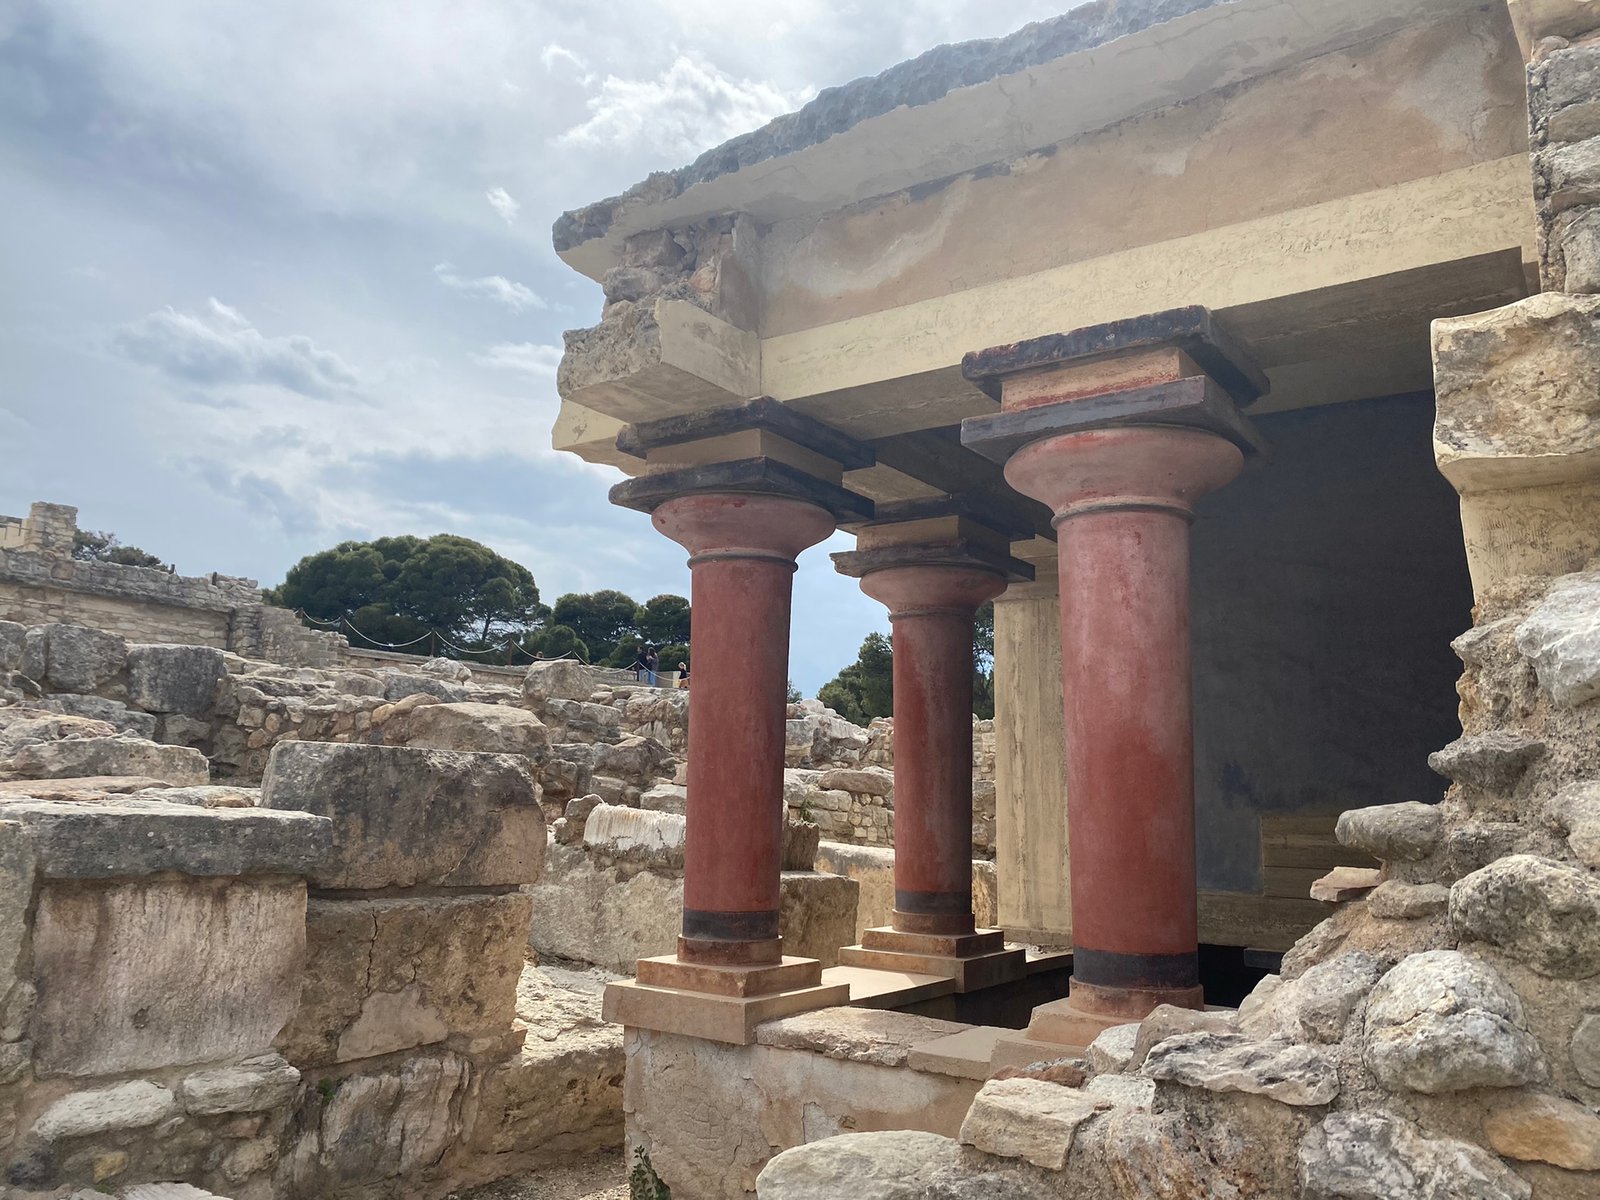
[1119, 429]
[932, 587]
[743, 521]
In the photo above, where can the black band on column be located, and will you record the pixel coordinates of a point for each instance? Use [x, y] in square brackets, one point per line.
[730, 926]
[1105, 968]
[932, 903]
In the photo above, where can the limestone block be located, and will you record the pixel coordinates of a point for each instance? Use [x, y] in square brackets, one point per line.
[633, 833]
[858, 781]
[255, 1085]
[398, 685]
[1562, 638]
[583, 722]
[1493, 762]
[1396, 901]
[639, 760]
[1112, 1050]
[1124, 1091]
[868, 1166]
[73, 758]
[11, 638]
[1574, 811]
[141, 975]
[125, 836]
[1541, 912]
[391, 974]
[1168, 1020]
[378, 1124]
[800, 842]
[1232, 1062]
[1577, 237]
[1391, 831]
[667, 798]
[483, 728]
[1443, 1022]
[817, 914]
[1518, 393]
[1361, 1156]
[174, 679]
[1569, 175]
[583, 913]
[1585, 1049]
[118, 715]
[1028, 1119]
[407, 817]
[1564, 94]
[1549, 1129]
[136, 1104]
[560, 679]
[79, 659]
[1317, 1005]
[26, 726]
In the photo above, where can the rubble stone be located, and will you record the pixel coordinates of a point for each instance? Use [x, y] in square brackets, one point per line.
[1541, 912]
[407, 817]
[1493, 762]
[1396, 901]
[1232, 1062]
[1443, 1022]
[79, 659]
[1585, 1049]
[875, 1166]
[1575, 811]
[1375, 1156]
[1316, 1006]
[1168, 1020]
[1391, 831]
[1562, 638]
[1111, 1052]
[469, 726]
[252, 1086]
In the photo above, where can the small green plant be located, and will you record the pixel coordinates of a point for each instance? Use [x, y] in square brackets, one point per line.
[804, 812]
[643, 1182]
[325, 1089]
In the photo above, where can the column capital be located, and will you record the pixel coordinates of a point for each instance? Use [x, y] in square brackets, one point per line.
[1152, 468]
[727, 525]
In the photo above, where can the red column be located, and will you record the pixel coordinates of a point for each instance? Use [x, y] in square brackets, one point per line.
[1122, 499]
[931, 609]
[742, 557]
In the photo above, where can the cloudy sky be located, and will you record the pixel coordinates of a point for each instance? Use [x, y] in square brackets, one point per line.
[279, 274]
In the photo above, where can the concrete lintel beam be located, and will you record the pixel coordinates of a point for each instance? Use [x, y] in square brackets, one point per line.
[676, 359]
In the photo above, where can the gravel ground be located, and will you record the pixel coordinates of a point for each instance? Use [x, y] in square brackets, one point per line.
[598, 1178]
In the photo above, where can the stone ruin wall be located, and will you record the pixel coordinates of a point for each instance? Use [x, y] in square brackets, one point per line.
[41, 583]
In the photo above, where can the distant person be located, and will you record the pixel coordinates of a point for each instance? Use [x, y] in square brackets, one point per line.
[683, 675]
[638, 662]
[651, 661]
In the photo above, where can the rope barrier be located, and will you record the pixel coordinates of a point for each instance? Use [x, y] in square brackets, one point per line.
[509, 645]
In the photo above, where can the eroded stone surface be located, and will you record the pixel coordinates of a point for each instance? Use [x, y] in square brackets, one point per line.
[1395, 901]
[1541, 912]
[1562, 638]
[1575, 811]
[174, 679]
[875, 1166]
[469, 726]
[136, 1104]
[255, 1084]
[1443, 1022]
[1549, 1129]
[1391, 831]
[72, 758]
[1028, 1119]
[1232, 1062]
[148, 974]
[1374, 1156]
[1492, 762]
[1112, 1050]
[1317, 1005]
[406, 817]
[865, 1035]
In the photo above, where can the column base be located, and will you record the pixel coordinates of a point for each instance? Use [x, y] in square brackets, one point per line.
[1088, 1011]
[972, 960]
[719, 1004]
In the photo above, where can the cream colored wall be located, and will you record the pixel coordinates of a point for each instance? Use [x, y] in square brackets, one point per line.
[1423, 102]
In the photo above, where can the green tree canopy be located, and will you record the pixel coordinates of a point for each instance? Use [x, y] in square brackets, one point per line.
[395, 589]
[663, 620]
[605, 621]
[101, 546]
[865, 688]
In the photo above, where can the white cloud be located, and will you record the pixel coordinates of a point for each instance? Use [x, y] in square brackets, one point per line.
[503, 203]
[516, 296]
[526, 357]
[687, 108]
[220, 346]
[553, 54]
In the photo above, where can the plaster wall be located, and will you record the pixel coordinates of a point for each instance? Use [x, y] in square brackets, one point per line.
[1422, 102]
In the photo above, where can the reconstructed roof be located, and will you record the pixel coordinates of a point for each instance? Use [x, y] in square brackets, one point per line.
[949, 110]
